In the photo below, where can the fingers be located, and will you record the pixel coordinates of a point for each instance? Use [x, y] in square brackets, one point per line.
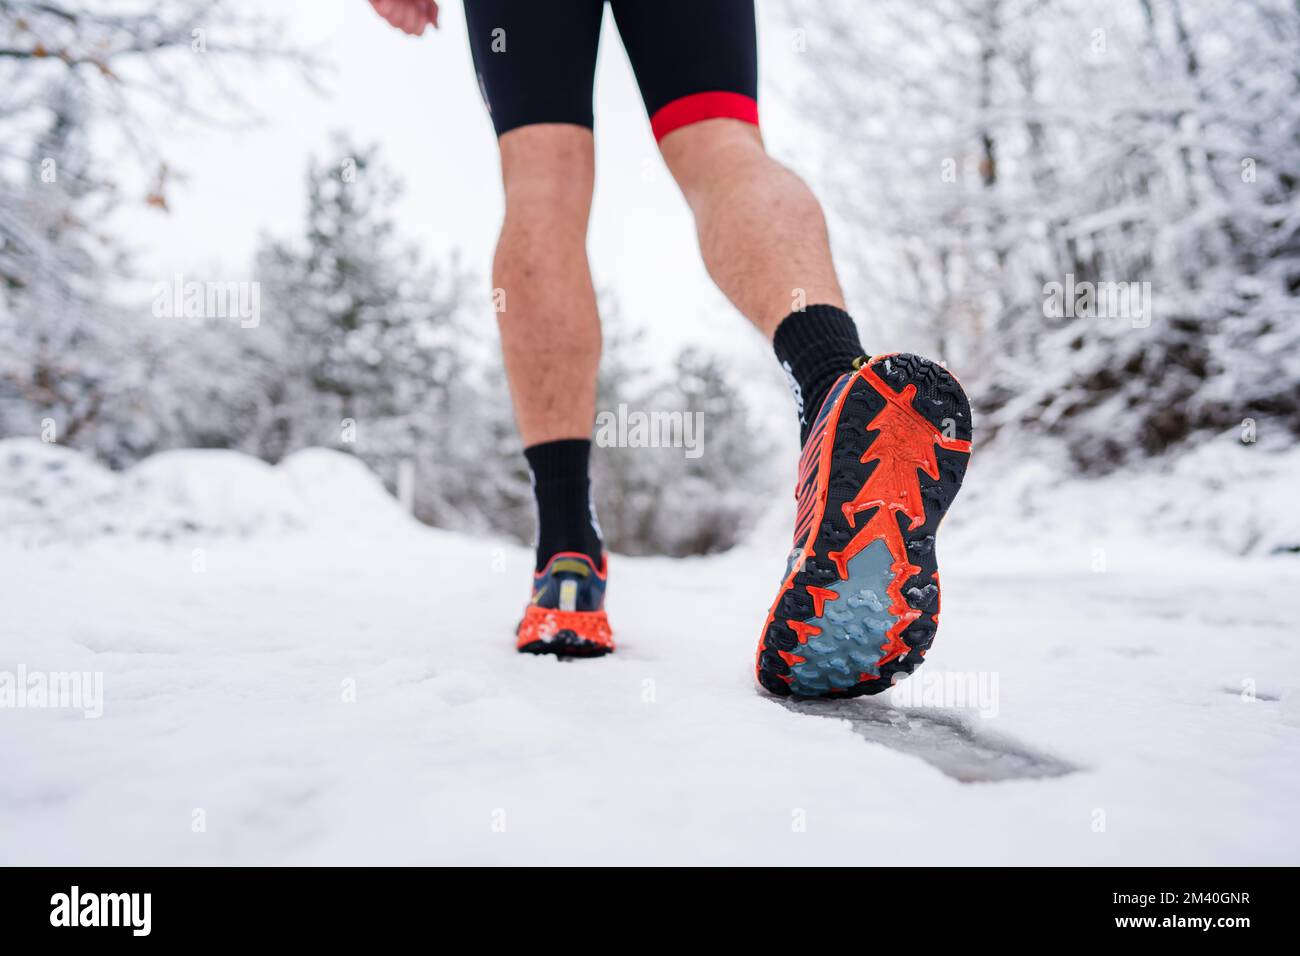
[409, 16]
[429, 11]
[391, 10]
[388, 9]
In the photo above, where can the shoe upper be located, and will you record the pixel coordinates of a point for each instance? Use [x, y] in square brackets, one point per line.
[805, 491]
[570, 582]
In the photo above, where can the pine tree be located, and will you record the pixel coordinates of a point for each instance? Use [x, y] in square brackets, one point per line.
[675, 500]
[361, 343]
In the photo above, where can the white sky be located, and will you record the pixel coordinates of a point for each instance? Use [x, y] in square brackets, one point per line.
[418, 99]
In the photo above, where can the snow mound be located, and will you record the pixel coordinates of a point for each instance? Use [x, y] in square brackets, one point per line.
[209, 491]
[1238, 497]
[50, 494]
[39, 481]
[1221, 495]
[338, 490]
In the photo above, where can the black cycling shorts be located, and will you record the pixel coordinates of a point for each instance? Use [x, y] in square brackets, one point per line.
[536, 59]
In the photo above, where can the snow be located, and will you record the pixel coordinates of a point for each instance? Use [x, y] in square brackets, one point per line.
[325, 681]
[1218, 494]
[49, 493]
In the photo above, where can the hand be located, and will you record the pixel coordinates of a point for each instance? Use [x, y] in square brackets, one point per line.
[409, 16]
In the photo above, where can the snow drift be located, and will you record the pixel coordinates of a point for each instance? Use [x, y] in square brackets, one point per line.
[1223, 495]
[53, 494]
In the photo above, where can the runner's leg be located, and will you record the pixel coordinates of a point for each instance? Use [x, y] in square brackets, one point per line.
[535, 65]
[761, 230]
[550, 330]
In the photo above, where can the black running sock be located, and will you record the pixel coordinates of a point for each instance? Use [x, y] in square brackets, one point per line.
[566, 519]
[815, 347]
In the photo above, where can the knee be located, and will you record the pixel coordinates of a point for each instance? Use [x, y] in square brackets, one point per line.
[548, 171]
[712, 152]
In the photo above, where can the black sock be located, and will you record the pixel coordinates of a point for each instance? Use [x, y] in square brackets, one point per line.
[566, 520]
[815, 347]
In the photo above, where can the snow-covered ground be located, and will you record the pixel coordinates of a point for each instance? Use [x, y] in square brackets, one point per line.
[293, 672]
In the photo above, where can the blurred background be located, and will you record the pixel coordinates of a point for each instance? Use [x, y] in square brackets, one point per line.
[973, 156]
[245, 310]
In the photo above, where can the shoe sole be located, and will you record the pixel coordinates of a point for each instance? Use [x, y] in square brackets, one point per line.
[564, 633]
[860, 607]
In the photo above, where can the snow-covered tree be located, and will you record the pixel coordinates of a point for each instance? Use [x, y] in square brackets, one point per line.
[362, 345]
[73, 365]
[987, 155]
[656, 497]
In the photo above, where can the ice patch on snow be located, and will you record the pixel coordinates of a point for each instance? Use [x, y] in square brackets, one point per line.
[942, 738]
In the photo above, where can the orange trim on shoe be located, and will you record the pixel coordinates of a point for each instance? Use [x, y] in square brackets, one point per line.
[543, 624]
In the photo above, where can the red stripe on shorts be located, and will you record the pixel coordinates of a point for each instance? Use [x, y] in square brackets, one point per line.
[702, 106]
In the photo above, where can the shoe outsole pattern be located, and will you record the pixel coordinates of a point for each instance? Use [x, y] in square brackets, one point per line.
[859, 607]
[566, 644]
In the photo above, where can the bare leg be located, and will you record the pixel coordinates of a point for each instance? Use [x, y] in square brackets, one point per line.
[761, 230]
[550, 330]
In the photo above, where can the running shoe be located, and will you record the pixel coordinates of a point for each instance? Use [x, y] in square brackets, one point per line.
[859, 603]
[566, 615]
